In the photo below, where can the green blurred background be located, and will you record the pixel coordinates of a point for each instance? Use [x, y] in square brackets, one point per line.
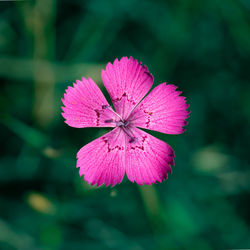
[201, 46]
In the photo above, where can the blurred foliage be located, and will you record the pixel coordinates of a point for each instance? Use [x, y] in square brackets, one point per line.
[201, 46]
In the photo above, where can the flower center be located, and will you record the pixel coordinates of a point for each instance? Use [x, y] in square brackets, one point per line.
[122, 123]
[124, 126]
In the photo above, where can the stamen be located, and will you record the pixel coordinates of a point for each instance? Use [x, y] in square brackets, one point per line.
[132, 139]
[105, 106]
[109, 121]
[110, 109]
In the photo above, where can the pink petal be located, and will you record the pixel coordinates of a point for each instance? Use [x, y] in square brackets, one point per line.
[127, 82]
[148, 159]
[163, 110]
[85, 106]
[102, 160]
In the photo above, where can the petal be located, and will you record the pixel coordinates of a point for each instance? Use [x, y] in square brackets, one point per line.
[102, 161]
[148, 159]
[86, 106]
[163, 110]
[127, 82]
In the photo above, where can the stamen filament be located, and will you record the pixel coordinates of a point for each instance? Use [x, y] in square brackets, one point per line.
[132, 138]
[110, 109]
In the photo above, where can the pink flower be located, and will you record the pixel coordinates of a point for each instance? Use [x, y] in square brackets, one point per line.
[144, 158]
